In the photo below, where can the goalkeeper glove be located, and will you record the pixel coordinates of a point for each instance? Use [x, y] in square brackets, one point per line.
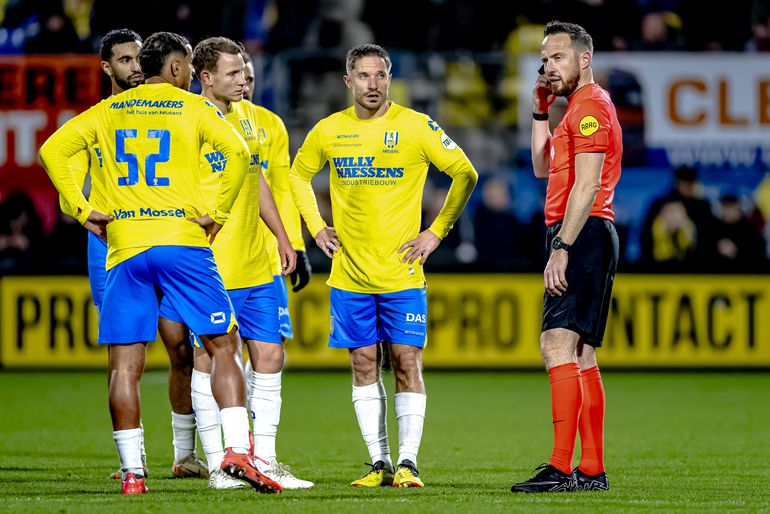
[301, 274]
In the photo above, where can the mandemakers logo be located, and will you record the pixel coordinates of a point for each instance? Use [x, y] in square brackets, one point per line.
[391, 139]
[588, 125]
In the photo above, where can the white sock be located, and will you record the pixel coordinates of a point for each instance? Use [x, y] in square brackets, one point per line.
[265, 403]
[144, 453]
[370, 404]
[247, 371]
[235, 425]
[410, 413]
[129, 445]
[183, 427]
[207, 418]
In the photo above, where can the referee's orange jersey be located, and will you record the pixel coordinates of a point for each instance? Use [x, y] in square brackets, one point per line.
[590, 125]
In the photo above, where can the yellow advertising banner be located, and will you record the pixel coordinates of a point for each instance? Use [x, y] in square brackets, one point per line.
[51, 322]
[474, 321]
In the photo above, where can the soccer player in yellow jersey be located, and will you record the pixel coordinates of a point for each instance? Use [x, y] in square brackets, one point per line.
[241, 257]
[274, 139]
[379, 154]
[158, 239]
[119, 50]
[266, 370]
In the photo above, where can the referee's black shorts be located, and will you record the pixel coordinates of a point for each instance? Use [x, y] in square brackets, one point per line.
[593, 259]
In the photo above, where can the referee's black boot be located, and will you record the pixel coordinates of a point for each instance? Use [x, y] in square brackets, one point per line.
[548, 480]
[597, 482]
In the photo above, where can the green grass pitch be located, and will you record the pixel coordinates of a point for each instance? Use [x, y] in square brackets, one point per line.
[675, 442]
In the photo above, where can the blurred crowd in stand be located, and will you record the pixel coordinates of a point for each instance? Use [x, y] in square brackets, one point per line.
[57, 26]
[680, 231]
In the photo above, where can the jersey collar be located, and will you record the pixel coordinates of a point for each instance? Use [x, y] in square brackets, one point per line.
[389, 114]
[584, 92]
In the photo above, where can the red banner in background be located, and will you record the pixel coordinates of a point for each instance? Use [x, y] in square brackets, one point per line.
[37, 95]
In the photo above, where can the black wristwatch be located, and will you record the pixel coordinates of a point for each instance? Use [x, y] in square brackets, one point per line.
[558, 244]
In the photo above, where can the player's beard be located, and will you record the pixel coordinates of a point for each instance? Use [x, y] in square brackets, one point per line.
[126, 84]
[570, 83]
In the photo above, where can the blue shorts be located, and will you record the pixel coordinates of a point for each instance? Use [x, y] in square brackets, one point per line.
[186, 276]
[97, 268]
[284, 318]
[363, 319]
[254, 307]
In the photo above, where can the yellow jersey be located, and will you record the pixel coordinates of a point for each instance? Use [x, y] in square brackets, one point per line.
[150, 138]
[84, 163]
[378, 171]
[274, 141]
[239, 248]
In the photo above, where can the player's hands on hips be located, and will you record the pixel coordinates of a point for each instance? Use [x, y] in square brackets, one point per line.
[301, 274]
[555, 275]
[288, 258]
[211, 227]
[97, 223]
[421, 247]
[327, 241]
[542, 95]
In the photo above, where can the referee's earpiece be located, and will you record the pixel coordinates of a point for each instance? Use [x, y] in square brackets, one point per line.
[541, 71]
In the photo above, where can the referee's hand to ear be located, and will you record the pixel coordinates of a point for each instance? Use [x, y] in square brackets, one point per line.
[542, 96]
[555, 274]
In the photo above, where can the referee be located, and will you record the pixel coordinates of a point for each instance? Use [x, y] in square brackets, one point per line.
[581, 161]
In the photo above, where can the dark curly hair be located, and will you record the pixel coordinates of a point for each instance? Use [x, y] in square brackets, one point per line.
[116, 37]
[156, 50]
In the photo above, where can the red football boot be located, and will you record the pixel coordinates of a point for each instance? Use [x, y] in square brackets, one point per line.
[243, 467]
[133, 484]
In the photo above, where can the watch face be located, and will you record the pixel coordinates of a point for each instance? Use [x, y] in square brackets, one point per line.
[558, 244]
